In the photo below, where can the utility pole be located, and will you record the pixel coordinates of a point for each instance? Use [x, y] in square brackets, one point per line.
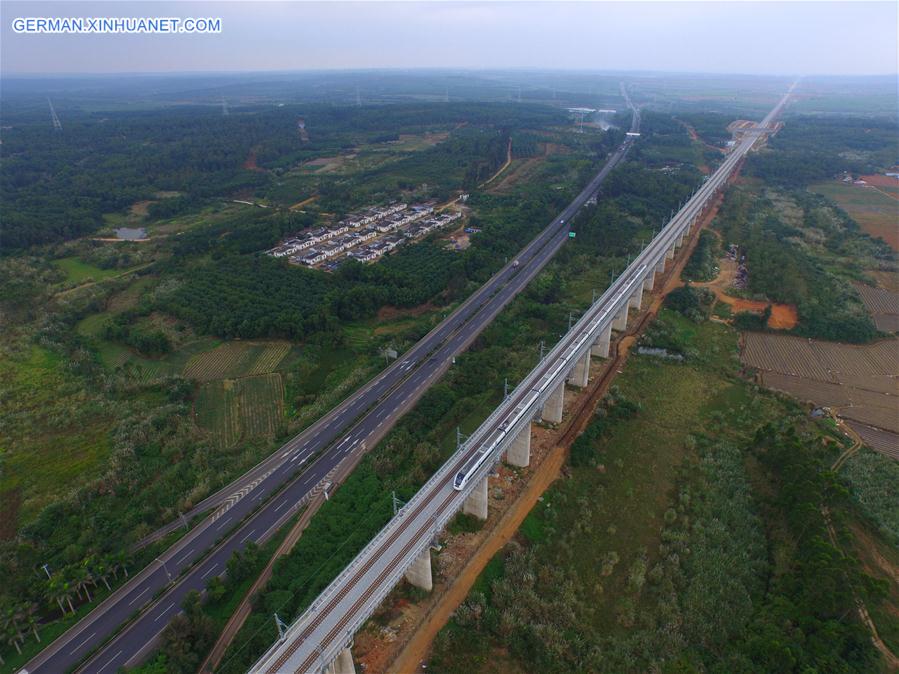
[541, 350]
[165, 568]
[569, 321]
[506, 388]
[46, 568]
[183, 520]
[397, 504]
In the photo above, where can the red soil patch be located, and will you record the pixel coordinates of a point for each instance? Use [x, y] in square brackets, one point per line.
[250, 163]
[783, 316]
[881, 181]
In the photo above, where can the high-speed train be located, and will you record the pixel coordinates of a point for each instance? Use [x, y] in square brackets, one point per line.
[476, 460]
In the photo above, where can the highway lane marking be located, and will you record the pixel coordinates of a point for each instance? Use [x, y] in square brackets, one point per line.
[90, 636]
[224, 523]
[111, 660]
[185, 556]
[281, 505]
[247, 536]
[211, 569]
[164, 611]
[146, 589]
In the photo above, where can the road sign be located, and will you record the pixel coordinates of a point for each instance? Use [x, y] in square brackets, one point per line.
[571, 235]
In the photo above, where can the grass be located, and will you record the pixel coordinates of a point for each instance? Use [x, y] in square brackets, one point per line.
[53, 435]
[78, 272]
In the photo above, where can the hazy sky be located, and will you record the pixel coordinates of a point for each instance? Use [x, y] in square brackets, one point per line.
[737, 37]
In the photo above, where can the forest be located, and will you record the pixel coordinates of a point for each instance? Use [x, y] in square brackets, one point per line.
[813, 148]
[195, 154]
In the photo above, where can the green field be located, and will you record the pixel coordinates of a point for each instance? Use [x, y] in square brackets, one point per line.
[231, 410]
[53, 435]
[78, 271]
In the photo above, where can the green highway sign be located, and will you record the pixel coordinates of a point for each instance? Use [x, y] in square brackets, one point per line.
[571, 235]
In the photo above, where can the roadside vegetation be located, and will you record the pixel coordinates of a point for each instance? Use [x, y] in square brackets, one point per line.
[691, 500]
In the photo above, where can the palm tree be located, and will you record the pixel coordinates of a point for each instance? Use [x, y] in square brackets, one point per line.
[29, 612]
[101, 569]
[53, 592]
[11, 630]
[82, 576]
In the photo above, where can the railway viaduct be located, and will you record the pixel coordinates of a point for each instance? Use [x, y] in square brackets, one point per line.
[321, 638]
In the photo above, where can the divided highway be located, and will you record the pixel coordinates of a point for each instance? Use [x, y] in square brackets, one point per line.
[350, 429]
[327, 627]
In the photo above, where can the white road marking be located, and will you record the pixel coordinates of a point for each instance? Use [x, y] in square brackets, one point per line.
[138, 596]
[184, 556]
[223, 523]
[247, 536]
[281, 505]
[211, 569]
[166, 610]
[90, 636]
[110, 661]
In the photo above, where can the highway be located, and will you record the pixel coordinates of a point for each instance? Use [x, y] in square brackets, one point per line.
[328, 625]
[298, 468]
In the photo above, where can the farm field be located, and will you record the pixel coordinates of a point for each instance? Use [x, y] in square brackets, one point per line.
[860, 383]
[876, 212]
[237, 359]
[883, 306]
[231, 410]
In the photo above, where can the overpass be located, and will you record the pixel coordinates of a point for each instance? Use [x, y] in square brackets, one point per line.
[320, 639]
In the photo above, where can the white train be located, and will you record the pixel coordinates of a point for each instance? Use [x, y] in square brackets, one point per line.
[476, 460]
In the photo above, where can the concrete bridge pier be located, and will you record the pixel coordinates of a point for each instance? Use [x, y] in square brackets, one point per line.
[660, 267]
[649, 282]
[552, 408]
[601, 346]
[680, 238]
[519, 452]
[476, 503]
[670, 254]
[343, 664]
[620, 321]
[419, 574]
[580, 375]
[636, 300]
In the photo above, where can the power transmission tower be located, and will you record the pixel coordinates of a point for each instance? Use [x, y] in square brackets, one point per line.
[57, 125]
